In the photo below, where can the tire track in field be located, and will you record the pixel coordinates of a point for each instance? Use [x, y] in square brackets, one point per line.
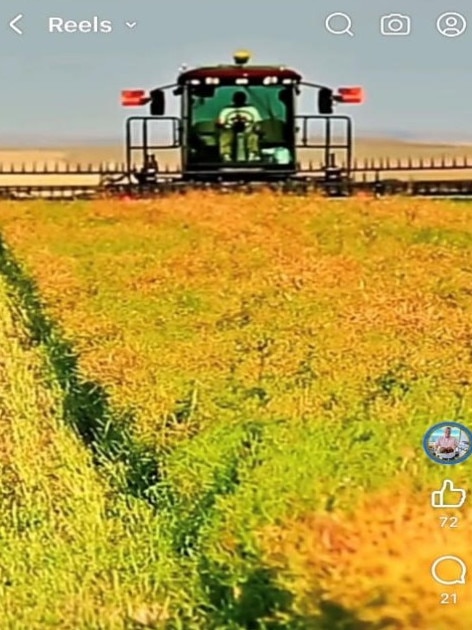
[86, 405]
[137, 469]
[38, 461]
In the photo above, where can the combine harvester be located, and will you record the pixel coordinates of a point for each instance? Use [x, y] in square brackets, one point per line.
[239, 128]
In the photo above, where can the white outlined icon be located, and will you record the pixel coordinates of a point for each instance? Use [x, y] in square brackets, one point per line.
[13, 24]
[339, 24]
[451, 24]
[438, 497]
[460, 570]
[395, 24]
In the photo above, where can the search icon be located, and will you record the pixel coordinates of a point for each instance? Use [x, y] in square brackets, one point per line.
[339, 24]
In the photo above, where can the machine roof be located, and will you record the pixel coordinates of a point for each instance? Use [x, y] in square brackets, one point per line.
[256, 73]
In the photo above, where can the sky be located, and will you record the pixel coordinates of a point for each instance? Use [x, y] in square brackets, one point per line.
[67, 85]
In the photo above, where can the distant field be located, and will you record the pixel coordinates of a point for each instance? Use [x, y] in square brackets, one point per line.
[114, 155]
[363, 148]
[279, 359]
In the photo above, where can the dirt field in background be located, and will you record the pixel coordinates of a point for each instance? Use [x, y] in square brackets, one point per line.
[84, 156]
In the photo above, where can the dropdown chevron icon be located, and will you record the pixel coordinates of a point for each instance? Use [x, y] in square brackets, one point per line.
[130, 24]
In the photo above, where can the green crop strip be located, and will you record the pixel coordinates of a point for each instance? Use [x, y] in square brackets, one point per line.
[86, 405]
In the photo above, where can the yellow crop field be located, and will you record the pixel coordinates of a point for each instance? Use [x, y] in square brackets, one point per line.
[246, 380]
[71, 553]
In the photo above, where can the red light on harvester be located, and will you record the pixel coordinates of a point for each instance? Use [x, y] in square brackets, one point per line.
[134, 98]
[351, 95]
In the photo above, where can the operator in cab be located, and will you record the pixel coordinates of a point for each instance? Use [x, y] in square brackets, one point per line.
[239, 119]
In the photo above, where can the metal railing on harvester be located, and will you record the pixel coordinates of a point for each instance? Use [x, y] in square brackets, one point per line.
[377, 176]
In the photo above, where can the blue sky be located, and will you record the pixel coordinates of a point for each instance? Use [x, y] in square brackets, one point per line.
[68, 85]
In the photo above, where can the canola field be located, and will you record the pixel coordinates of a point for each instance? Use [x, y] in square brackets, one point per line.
[212, 410]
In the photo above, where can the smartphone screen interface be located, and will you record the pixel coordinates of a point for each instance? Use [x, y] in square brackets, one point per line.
[235, 315]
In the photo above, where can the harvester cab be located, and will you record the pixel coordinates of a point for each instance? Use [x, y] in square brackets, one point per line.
[238, 122]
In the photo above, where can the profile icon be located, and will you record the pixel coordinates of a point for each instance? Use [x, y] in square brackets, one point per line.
[451, 24]
[448, 443]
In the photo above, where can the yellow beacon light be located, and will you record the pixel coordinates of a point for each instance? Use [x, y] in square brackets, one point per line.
[241, 57]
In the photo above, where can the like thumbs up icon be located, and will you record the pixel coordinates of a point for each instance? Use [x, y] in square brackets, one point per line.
[455, 499]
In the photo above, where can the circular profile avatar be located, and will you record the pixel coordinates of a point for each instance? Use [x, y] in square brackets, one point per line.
[451, 24]
[448, 443]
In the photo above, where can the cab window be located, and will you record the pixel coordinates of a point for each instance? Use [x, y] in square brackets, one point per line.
[274, 105]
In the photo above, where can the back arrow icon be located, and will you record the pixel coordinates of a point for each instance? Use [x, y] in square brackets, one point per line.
[13, 24]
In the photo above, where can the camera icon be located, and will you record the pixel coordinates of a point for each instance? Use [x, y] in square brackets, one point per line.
[395, 24]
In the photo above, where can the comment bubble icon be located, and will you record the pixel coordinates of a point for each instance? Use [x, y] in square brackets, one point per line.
[449, 570]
